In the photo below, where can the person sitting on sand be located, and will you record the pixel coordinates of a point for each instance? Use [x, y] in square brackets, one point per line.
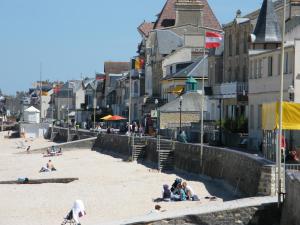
[189, 192]
[166, 196]
[179, 194]
[50, 166]
[175, 184]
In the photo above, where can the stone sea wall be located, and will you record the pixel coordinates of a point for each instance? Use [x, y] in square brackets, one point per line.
[268, 214]
[248, 174]
[291, 207]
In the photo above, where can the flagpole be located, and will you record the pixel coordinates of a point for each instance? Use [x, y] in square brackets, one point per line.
[280, 136]
[202, 103]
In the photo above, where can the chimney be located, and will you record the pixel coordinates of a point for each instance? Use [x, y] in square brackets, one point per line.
[189, 12]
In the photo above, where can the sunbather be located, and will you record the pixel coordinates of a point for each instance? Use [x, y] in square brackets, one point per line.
[50, 166]
[189, 192]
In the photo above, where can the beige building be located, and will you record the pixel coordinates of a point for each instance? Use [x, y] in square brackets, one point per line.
[265, 68]
[234, 87]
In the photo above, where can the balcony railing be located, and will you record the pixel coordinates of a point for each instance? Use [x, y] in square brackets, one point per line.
[230, 90]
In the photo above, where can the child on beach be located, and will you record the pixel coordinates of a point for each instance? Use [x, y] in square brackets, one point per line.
[166, 196]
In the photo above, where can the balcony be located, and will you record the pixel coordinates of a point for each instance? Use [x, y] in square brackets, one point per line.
[231, 90]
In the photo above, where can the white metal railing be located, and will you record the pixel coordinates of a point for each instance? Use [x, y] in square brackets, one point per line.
[292, 167]
[231, 89]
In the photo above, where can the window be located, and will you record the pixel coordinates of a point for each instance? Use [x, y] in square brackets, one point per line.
[230, 45]
[259, 69]
[229, 74]
[259, 117]
[244, 73]
[255, 69]
[270, 66]
[251, 117]
[279, 64]
[237, 71]
[251, 70]
[286, 63]
[245, 42]
[237, 44]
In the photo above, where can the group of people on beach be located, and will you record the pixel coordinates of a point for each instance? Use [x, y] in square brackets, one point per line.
[179, 191]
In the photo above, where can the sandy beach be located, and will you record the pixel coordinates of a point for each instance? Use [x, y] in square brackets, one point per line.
[110, 188]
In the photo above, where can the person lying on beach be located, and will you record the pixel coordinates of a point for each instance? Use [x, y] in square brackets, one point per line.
[189, 192]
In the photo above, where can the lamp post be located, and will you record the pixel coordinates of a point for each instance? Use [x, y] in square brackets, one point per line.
[95, 108]
[180, 112]
[280, 133]
[291, 92]
[157, 118]
[157, 135]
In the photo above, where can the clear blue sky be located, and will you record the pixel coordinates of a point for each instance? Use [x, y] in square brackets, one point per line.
[71, 37]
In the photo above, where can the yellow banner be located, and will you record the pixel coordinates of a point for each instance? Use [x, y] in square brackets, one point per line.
[290, 116]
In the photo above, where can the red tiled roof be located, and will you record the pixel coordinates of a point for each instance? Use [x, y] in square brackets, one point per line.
[146, 27]
[116, 67]
[168, 13]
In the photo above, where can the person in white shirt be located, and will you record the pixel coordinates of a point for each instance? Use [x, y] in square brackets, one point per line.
[189, 192]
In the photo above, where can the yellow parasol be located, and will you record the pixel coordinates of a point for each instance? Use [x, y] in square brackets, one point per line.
[106, 117]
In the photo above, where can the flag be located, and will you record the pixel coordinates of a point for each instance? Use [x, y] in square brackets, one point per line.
[56, 89]
[213, 40]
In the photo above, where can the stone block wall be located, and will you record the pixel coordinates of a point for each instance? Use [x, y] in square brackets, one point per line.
[267, 214]
[291, 207]
[249, 174]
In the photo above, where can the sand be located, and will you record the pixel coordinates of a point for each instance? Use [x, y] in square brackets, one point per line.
[111, 189]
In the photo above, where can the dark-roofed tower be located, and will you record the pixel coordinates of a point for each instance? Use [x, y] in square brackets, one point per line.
[189, 12]
[267, 33]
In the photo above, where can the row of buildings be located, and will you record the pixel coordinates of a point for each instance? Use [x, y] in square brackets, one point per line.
[171, 61]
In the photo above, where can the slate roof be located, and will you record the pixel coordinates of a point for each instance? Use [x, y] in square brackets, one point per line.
[168, 41]
[116, 67]
[168, 14]
[195, 70]
[267, 28]
[191, 103]
[146, 28]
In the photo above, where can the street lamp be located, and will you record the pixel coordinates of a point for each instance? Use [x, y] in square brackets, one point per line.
[291, 92]
[157, 122]
[95, 110]
[180, 112]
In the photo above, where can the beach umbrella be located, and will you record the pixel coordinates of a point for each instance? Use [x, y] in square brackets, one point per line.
[106, 117]
[116, 118]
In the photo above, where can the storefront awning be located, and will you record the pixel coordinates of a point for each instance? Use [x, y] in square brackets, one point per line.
[177, 90]
[290, 117]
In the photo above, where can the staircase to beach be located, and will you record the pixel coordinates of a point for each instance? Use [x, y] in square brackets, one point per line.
[138, 148]
[165, 155]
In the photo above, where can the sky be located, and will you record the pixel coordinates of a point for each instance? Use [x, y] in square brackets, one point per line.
[70, 39]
